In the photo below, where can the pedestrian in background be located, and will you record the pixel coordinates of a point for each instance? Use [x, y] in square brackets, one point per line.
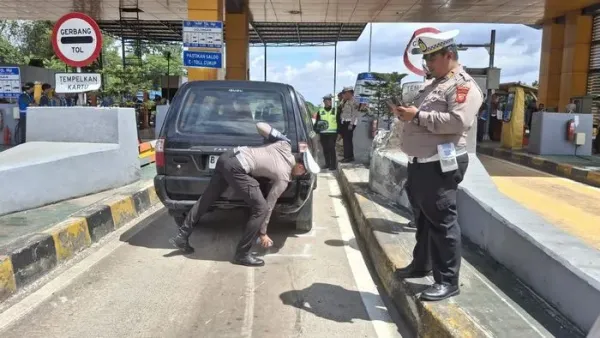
[328, 136]
[434, 138]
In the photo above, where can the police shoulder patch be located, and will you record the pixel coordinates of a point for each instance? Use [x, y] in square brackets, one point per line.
[461, 93]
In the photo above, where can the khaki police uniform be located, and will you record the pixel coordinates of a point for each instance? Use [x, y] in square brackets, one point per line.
[447, 109]
[328, 136]
[349, 116]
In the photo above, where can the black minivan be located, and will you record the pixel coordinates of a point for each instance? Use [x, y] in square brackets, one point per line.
[207, 118]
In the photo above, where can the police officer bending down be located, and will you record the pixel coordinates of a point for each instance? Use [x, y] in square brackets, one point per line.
[238, 168]
[435, 141]
[328, 136]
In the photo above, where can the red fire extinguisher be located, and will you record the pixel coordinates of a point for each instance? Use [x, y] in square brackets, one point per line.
[571, 130]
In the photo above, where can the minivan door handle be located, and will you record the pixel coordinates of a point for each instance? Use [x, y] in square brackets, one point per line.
[180, 160]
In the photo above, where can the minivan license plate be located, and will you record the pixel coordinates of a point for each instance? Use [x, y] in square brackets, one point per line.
[212, 161]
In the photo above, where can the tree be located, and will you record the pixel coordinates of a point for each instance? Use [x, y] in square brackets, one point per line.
[385, 86]
[535, 84]
[312, 109]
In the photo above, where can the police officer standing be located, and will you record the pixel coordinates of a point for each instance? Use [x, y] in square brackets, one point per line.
[434, 138]
[328, 136]
[349, 119]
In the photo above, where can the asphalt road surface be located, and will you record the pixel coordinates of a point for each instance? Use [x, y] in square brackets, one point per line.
[134, 284]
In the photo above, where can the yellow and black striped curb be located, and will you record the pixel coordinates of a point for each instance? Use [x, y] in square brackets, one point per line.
[29, 258]
[589, 177]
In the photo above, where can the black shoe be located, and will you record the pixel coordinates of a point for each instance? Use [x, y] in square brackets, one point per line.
[181, 243]
[247, 260]
[347, 160]
[412, 225]
[440, 291]
[332, 169]
[410, 272]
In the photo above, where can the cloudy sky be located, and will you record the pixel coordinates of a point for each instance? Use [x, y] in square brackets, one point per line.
[310, 69]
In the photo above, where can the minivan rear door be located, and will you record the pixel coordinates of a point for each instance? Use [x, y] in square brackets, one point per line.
[211, 119]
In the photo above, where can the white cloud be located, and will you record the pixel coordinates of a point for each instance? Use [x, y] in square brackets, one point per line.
[517, 52]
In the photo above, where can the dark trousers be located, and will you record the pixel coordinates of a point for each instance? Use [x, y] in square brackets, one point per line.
[347, 138]
[433, 193]
[22, 128]
[229, 172]
[328, 144]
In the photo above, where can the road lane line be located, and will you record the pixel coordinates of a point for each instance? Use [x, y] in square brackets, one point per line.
[249, 310]
[382, 323]
[29, 303]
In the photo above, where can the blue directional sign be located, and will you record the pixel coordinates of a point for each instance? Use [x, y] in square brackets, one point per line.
[203, 34]
[10, 82]
[199, 59]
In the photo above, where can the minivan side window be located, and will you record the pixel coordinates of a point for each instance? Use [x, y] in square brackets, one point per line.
[305, 115]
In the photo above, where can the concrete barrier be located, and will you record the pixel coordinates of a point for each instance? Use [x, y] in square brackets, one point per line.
[70, 152]
[560, 268]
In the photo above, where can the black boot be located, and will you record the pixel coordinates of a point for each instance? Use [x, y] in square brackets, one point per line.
[247, 259]
[411, 271]
[182, 243]
[440, 291]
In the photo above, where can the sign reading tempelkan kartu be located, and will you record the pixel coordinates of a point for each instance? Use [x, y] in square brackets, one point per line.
[77, 82]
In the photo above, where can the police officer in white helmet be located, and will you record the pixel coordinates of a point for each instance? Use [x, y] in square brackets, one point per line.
[434, 138]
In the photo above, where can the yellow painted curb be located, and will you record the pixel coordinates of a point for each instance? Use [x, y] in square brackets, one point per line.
[564, 169]
[8, 285]
[537, 161]
[122, 209]
[70, 237]
[594, 177]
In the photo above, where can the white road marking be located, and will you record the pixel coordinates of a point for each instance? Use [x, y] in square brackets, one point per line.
[376, 309]
[249, 310]
[30, 302]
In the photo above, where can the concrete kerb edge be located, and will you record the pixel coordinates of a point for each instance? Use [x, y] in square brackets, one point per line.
[31, 257]
[559, 169]
[427, 319]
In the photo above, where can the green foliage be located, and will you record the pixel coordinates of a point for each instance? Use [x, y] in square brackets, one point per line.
[535, 84]
[387, 85]
[312, 109]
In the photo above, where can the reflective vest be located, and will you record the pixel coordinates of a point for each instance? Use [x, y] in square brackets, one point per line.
[328, 116]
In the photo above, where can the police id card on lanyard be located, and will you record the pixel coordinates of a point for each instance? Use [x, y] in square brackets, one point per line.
[447, 154]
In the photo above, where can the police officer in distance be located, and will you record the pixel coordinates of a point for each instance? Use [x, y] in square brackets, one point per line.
[434, 138]
[328, 136]
[349, 116]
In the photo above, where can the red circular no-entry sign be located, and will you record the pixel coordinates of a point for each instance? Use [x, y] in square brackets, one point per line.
[417, 70]
[76, 39]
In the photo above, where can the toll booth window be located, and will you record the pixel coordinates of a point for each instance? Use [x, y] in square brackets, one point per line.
[230, 112]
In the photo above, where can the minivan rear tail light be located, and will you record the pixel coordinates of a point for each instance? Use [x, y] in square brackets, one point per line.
[302, 147]
[159, 149]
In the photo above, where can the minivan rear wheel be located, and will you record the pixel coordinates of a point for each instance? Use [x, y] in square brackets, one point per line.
[304, 217]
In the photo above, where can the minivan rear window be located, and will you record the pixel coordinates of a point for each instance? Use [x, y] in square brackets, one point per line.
[230, 113]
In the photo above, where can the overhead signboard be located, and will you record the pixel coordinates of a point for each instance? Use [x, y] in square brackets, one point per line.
[77, 82]
[412, 43]
[201, 59]
[76, 39]
[10, 82]
[203, 34]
